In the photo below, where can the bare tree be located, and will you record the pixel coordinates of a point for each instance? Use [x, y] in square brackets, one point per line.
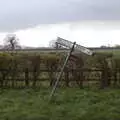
[53, 44]
[11, 42]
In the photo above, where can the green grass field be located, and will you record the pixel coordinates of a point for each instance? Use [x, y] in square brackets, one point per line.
[68, 104]
[116, 53]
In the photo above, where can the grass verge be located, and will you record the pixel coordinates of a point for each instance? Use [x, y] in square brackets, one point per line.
[69, 103]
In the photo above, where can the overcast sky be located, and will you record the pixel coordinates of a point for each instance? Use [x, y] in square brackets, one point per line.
[38, 21]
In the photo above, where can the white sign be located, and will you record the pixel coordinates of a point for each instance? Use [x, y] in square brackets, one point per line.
[69, 44]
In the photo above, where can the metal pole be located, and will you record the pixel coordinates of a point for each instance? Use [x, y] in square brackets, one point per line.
[62, 70]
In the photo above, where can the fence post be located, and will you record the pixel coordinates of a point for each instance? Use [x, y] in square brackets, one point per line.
[115, 77]
[66, 77]
[26, 77]
[81, 78]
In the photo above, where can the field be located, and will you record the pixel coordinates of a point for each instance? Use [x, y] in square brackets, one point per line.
[68, 104]
[116, 53]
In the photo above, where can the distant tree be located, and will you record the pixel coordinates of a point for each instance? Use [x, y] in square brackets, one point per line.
[117, 46]
[103, 46]
[53, 44]
[11, 42]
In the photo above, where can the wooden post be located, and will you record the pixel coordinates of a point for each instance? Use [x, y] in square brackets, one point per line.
[67, 78]
[62, 69]
[26, 77]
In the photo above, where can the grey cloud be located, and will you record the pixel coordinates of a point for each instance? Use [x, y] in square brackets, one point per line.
[20, 14]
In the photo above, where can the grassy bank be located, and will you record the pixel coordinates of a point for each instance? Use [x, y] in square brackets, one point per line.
[69, 104]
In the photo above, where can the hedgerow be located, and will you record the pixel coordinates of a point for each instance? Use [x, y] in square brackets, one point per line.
[30, 68]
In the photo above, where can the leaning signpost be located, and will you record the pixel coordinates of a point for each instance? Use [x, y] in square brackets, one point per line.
[73, 47]
[77, 47]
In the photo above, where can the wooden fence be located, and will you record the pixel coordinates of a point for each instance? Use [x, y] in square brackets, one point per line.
[71, 78]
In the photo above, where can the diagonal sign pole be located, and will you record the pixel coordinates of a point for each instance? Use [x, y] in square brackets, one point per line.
[62, 70]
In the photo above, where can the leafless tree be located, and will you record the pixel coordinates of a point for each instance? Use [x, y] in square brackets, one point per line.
[11, 42]
[53, 44]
